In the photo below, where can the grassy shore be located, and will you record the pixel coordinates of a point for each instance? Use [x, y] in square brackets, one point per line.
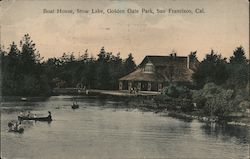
[175, 107]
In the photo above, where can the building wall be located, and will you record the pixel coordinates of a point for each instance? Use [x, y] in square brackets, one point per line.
[141, 85]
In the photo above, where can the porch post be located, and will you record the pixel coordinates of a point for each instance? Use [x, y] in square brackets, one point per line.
[149, 86]
[139, 86]
[120, 85]
[129, 85]
[160, 87]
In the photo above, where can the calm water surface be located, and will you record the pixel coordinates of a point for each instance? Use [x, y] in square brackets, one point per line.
[106, 129]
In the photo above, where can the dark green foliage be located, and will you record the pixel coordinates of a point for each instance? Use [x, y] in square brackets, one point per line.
[192, 55]
[87, 72]
[176, 91]
[22, 71]
[213, 100]
[103, 73]
[212, 69]
[186, 105]
[129, 64]
[25, 74]
[171, 91]
[238, 69]
[238, 56]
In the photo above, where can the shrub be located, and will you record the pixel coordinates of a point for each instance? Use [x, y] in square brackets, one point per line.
[199, 99]
[176, 91]
[215, 101]
[186, 105]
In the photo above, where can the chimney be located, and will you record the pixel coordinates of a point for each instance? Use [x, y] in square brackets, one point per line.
[188, 62]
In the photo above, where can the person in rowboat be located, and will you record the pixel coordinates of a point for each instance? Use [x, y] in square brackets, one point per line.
[29, 114]
[21, 114]
[19, 126]
[49, 116]
[15, 126]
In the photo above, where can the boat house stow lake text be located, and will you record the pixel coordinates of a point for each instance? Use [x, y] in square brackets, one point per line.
[156, 72]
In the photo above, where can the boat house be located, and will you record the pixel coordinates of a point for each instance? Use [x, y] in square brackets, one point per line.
[156, 72]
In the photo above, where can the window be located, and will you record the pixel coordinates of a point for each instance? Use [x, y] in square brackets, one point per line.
[148, 68]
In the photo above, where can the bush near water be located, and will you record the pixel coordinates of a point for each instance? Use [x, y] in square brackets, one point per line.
[214, 100]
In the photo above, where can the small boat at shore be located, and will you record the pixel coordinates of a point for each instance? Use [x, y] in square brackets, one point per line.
[35, 118]
[75, 105]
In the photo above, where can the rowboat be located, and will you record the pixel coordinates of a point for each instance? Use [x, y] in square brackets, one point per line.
[75, 106]
[35, 118]
[17, 131]
[23, 99]
[15, 128]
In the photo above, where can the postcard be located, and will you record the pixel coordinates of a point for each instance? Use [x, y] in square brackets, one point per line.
[124, 79]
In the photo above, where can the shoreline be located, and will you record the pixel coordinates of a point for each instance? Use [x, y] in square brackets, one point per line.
[145, 102]
[156, 108]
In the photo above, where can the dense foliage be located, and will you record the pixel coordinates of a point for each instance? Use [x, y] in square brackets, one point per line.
[23, 72]
[230, 74]
[213, 100]
[177, 91]
[222, 86]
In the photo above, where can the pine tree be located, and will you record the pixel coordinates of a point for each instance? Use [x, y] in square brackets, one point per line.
[238, 56]
[238, 69]
[129, 64]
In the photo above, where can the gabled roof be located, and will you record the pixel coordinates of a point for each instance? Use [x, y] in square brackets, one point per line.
[163, 60]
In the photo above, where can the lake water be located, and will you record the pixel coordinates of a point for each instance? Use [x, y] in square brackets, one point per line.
[104, 128]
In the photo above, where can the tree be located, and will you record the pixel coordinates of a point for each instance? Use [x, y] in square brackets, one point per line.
[211, 69]
[192, 55]
[101, 55]
[238, 69]
[23, 73]
[13, 58]
[238, 56]
[66, 58]
[51, 68]
[11, 71]
[129, 64]
[103, 72]
[91, 74]
[29, 55]
[115, 67]
[85, 56]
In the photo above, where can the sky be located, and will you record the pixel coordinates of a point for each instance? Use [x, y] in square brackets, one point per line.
[223, 27]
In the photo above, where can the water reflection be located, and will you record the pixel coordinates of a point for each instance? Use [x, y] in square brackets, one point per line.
[227, 132]
[20, 99]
